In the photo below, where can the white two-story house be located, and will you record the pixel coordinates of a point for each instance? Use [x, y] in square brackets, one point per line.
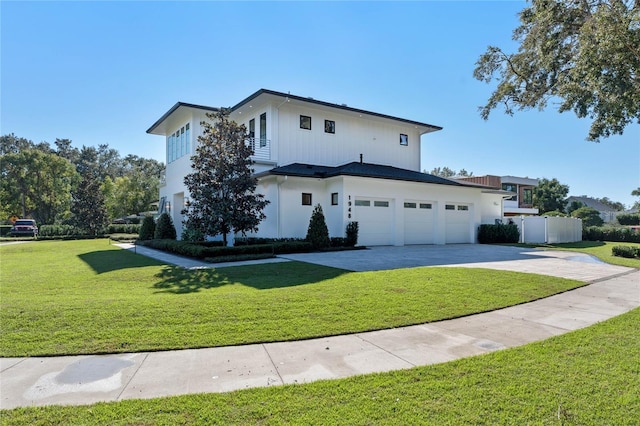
[359, 165]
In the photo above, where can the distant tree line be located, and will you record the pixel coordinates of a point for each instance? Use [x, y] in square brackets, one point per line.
[549, 195]
[63, 184]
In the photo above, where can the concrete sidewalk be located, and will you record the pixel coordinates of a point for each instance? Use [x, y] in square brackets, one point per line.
[89, 379]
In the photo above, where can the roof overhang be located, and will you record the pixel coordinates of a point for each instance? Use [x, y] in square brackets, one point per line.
[159, 127]
[264, 96]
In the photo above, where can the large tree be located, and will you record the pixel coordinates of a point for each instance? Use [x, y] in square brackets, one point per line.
[88, 203]
[222, 185]
[550, 195]
[584, 54]
[35, 183]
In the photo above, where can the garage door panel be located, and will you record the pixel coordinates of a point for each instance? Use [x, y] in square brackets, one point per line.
[458, 223]
[418, 224]
[375, 223]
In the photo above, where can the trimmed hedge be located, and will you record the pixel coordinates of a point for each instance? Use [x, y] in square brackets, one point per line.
[59, 231]
[199, 251]
[626, 251]
[4, 230]
[605, 233]
[129, 228]
[498, 233]
[629, 219]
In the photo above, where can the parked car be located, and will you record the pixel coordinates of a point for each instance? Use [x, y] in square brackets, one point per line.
[24, 227]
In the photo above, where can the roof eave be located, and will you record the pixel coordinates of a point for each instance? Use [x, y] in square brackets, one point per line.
[173, 109]
[428, 127]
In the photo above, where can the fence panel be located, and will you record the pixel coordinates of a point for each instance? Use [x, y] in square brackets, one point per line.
[551, 230]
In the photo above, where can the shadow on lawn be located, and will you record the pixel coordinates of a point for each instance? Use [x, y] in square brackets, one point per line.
[113, 260]
[178, 280]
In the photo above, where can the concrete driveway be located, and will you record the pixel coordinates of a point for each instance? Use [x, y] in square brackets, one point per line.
[556, 263]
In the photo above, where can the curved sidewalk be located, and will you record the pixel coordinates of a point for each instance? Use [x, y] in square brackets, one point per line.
[87, 379]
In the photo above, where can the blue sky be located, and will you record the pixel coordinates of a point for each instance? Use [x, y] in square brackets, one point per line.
[103, 72]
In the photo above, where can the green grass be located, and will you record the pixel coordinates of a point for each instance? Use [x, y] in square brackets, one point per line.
[599, 249]
[85, 297]
[587, 377]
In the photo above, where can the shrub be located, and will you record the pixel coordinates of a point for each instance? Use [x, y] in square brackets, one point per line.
[626, 251]
[164, 228]
[4, 230]
[199, 251]
[59, 231]
[351, 238]
[125, 228]
[191, 234]
[147, 229]
[318, 233]
[606, 233]
[629, 219]
[498, 233]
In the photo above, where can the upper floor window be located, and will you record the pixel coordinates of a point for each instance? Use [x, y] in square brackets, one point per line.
[404, 139]
[179, 143]
[527, 196]
[329, 126]
[263, 129]
[252, 128]
[305, 122]
[511, 188]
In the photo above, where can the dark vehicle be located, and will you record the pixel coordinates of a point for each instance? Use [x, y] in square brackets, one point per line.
[24, 227]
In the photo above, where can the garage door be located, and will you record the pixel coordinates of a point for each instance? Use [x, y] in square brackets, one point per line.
[418, 222]
[458, 223]
[375, 221]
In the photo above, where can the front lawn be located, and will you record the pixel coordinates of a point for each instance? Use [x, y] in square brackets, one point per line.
[587, 377]
[86, 297]
[599, 249]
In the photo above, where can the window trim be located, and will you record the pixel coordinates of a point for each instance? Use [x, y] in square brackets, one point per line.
[334, 198]
[330, 127]
[304, 121]
[307, 199]
[404, 139]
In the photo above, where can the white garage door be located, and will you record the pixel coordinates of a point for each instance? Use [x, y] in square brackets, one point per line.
[418, 222]
[458, 223]
[375, 221]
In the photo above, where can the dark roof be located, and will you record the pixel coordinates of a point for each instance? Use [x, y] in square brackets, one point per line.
[289, 96]
[590, 202]
[331, 105]
[175, 107]
[361, 170]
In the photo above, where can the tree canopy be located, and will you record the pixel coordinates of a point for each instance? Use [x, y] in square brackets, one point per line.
[38, 180]
[585, 54]
[222, 185]
[446, 172]
[550, 195]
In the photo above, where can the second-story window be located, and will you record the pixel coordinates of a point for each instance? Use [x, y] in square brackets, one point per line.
[179, 143]
[252, 128]
[329, 126]
[263, 129]
[305, 122]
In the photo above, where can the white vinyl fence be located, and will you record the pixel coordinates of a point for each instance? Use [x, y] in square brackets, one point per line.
[547, 229]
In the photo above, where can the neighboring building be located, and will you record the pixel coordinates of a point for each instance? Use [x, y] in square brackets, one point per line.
[606, 212]
[521, 202]
[359, 165]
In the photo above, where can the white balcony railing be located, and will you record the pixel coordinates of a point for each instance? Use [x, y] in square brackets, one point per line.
[261, 148]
